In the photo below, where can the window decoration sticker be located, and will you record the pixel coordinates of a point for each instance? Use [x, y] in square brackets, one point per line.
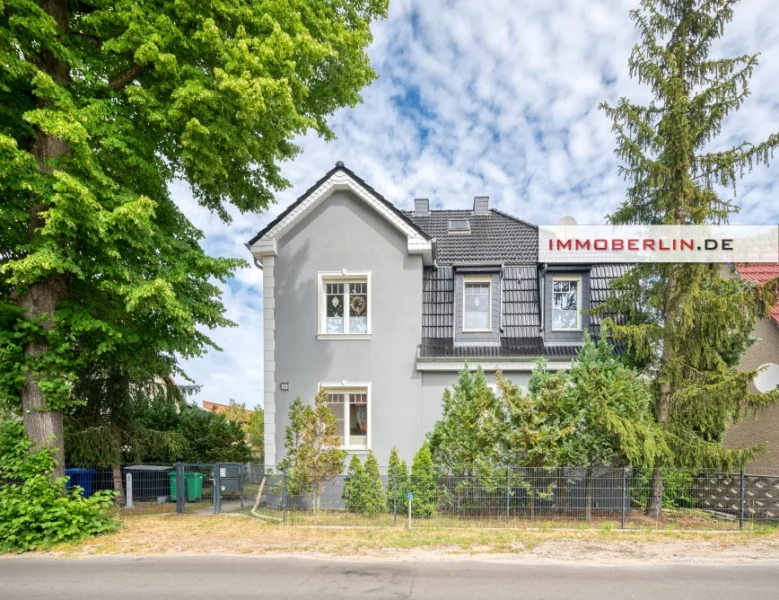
[358, 304]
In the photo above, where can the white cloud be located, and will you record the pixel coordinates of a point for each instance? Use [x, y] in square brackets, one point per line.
[495, 97]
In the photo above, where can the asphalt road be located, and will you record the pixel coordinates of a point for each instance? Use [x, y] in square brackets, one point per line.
[223, 577]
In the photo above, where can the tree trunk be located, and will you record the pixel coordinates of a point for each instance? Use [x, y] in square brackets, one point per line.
[118, 487]
[588, 494]
[654, 505]
[39, 300]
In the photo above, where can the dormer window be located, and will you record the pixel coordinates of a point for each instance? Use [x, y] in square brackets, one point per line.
[566, 303]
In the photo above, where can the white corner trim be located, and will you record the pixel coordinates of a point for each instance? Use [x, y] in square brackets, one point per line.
[504, 365]
[267, 245]
[269, 366]
[353, 386]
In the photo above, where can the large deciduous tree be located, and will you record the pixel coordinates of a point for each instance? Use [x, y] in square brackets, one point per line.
[687, 324]
[102, 104]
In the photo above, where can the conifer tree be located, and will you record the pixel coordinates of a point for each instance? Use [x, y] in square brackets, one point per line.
[686, 323]
[372, 497]
[397, 483]
[462, 437]
[423, 484]
[353, 485]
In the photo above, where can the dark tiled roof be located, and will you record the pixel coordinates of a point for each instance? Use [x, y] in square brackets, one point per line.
[495, 237]
[601, 278]
[437, 302]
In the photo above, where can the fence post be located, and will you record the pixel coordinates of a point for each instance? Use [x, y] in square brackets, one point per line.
[284, 496]
[742, 501]
[395, 495]
[180, 488]
[508, 496]
[624, 493]
[217, 489]
[128, 492]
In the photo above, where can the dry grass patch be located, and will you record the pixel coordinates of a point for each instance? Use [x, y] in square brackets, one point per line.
[235, 534]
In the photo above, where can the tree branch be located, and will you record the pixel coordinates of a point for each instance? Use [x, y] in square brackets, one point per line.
[126, 77]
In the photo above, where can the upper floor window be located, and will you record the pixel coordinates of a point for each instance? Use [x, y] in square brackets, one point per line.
[350, 408]
[344, 300]
[566, 303]
[477, 304]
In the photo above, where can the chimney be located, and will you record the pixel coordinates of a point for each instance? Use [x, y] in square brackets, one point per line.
[481, 205]
[421, 207]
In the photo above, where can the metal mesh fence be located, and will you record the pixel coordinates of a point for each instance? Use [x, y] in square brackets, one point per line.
[597, 497]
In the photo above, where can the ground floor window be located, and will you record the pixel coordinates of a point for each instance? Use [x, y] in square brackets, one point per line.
[350, 407]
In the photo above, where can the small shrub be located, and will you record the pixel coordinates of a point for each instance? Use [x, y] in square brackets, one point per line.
[363, 491]
[355, 480]
[423, 484]
[36, 511]
[397, 483]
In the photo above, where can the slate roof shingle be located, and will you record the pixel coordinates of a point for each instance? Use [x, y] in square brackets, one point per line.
[495, 237]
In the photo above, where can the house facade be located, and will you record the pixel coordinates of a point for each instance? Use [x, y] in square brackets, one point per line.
[763, 427]
[383, 308]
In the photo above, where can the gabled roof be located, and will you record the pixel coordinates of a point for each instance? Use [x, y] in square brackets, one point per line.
[339, 178]
[761, 274]
[494, 237]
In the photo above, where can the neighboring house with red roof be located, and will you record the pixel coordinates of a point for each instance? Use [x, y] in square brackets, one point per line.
[763, 427]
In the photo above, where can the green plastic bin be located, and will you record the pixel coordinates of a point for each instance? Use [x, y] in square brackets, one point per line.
[194, 482]
[172, 480]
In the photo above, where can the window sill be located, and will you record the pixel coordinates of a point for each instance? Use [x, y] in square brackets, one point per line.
[477, 331]
[360, 450]
[578, 330]
[344, 336]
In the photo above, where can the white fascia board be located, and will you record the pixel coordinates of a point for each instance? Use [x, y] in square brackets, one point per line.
[267, 245]
[503, 365]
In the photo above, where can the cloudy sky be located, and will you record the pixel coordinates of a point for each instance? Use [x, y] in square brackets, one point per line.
[487, 97]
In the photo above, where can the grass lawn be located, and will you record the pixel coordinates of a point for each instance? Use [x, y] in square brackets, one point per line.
[238, 534]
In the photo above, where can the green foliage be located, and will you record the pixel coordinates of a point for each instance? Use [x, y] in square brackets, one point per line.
[397, 483]
[466, 431]
[363, 491]
[423, 484]
[212, 438]
[122, 420]
[35, 511]
[677, 488]
[353, 485]
[102, 106]
[687, 324]
[312, 444]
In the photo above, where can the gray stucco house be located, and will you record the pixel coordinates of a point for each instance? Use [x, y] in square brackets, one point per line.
[383, 307]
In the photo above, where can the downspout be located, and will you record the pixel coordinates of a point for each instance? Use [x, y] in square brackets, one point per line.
[541, 294]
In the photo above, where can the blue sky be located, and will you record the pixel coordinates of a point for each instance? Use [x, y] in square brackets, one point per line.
[497, 98]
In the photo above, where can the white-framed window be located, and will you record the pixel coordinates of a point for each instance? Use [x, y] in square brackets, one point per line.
[477, 303]
[350, 403]
[345, 305]
[566, 303]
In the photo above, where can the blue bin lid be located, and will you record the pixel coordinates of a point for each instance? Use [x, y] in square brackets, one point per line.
[79, 471]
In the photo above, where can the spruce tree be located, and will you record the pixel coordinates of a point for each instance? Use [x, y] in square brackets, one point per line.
[397, 483]
[686, 323]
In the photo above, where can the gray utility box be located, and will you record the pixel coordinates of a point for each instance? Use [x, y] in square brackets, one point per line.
[230, 476]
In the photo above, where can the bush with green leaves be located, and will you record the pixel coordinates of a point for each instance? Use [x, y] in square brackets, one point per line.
[423, 484]
[36, 511]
